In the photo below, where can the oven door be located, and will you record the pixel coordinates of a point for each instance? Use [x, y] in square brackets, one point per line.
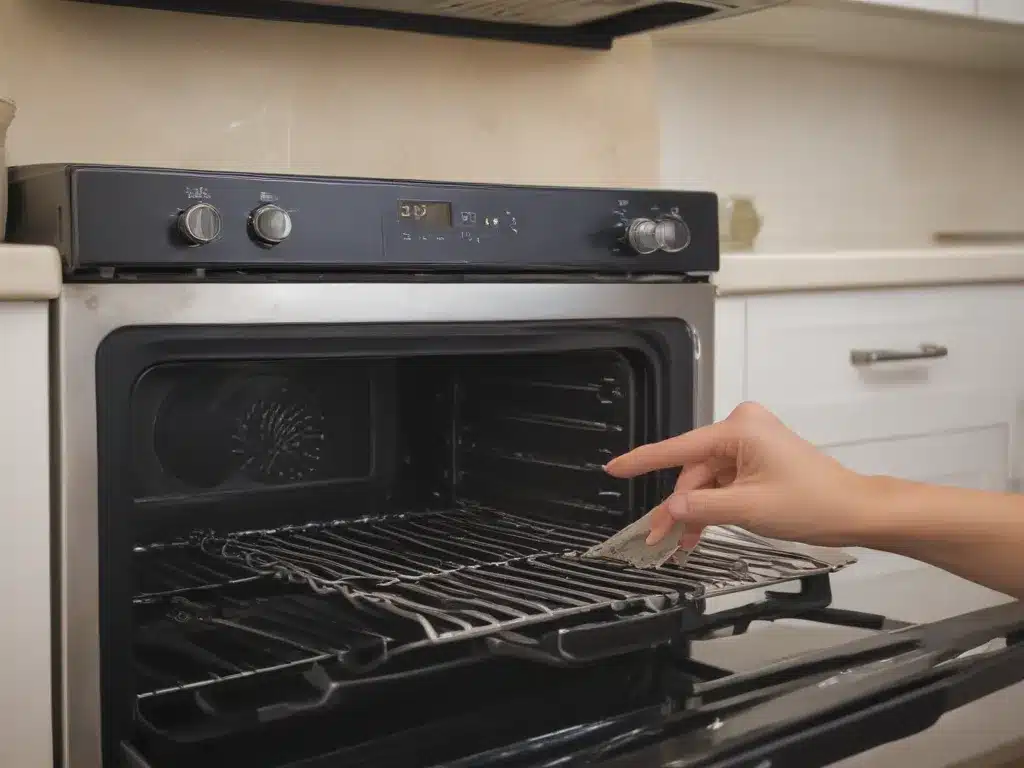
[161, 324]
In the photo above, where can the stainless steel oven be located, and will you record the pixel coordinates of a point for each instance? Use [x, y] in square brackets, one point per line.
[329, 452]
[374, 346]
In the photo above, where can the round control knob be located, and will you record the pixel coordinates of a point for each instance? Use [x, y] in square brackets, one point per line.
[271, 224]
[641, 234]
[200, 224]
[672, 234]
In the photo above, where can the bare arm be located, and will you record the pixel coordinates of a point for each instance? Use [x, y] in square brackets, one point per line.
[750, 470]
[978, 535]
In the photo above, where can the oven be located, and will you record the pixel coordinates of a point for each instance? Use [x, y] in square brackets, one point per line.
[330, 453]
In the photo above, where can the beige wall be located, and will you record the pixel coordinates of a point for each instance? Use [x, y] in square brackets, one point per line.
[842, 153]
[102, 84]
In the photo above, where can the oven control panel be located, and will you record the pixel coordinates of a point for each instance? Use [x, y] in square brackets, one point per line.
[183, 220]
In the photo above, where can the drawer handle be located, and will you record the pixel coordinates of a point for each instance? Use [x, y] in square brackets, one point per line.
[862, 357]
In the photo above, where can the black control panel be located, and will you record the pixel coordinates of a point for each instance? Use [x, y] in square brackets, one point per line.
[125, 219]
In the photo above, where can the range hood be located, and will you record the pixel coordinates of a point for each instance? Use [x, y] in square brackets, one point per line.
[576, 23]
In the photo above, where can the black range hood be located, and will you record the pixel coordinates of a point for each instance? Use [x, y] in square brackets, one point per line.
[570, 23]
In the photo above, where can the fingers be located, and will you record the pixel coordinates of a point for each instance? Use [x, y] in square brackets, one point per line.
[694, 477]
[662, 521]
[694, 447]
[691, 537]
[661, 524]
[710, 506]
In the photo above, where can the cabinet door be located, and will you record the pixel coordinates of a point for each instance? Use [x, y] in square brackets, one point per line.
[799, 360]
[1011, 11]
[958, 7]
[975, 458]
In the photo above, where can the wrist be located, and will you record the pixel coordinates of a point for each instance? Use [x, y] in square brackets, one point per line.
[876, 503]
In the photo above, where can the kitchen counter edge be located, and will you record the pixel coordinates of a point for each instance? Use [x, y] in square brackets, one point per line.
[29, 272]
[754, 273]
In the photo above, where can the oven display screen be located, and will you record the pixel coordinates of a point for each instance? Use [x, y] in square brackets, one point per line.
[432, 215]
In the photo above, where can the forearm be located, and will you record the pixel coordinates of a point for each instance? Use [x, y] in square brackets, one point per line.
[978, 535]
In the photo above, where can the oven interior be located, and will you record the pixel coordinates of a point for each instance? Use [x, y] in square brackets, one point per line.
[375, 554]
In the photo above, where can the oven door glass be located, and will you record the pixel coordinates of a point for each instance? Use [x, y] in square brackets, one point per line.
[362, 541]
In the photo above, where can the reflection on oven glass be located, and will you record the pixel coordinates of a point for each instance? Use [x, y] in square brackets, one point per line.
[227, 428]
[279, 437]
[192, 431]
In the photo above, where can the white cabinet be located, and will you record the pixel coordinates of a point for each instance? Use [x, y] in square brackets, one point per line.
[959, 7]
[792, 352]
[730, 355]
[798, 360]
[943, 33]
[972, 458]
[25, 735]
[1011, 11]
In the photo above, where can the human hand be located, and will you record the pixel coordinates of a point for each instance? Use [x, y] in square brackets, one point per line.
[750, 470]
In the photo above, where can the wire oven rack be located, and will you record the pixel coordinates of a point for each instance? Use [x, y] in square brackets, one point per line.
[481, 559]
[377, 588]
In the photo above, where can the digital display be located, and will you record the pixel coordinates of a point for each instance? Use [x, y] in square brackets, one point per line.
[432, 215]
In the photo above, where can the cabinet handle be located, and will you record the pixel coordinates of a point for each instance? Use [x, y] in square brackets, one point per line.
[862, 357]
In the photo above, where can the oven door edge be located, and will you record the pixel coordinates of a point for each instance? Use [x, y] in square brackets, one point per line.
[86, 313]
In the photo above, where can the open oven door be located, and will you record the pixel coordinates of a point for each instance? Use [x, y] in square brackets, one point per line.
[807, 711]
[817, 708]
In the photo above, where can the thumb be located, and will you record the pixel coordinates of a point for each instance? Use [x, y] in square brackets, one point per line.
[710, 506]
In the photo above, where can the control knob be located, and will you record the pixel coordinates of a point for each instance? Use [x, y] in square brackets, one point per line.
[672, 234]
[200, 224]
[641, 236]
[668, 233]
[271, 224]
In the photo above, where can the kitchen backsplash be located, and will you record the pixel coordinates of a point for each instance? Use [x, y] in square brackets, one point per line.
[844, 153]
[120, 85]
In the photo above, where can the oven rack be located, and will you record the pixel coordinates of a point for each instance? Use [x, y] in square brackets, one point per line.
[164, 570]
[375, 590]
[460, 547]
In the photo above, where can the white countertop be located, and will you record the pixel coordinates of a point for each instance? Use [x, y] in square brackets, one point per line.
[750, 273]
[29, 272]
